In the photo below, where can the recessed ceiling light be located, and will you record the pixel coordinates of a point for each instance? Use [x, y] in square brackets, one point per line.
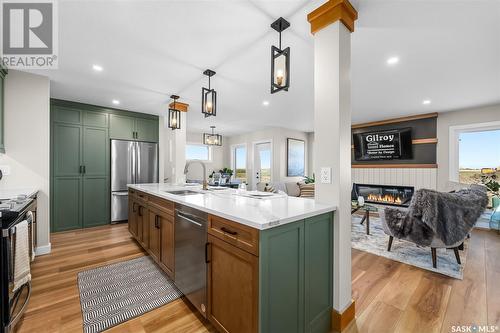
[392, 60]
[116, 102]
[426, 102]
[265, 103]
[97, 68]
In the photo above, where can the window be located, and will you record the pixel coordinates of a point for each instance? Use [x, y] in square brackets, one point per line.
[239, 156]
[479, 154]
[197, 152]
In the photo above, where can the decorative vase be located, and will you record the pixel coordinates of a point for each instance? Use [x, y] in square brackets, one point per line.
[361, 201]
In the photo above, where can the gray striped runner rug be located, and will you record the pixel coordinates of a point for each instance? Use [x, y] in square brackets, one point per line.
[113, 294]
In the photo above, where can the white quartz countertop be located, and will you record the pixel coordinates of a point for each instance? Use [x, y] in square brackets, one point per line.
[12, 193]
[259, 213]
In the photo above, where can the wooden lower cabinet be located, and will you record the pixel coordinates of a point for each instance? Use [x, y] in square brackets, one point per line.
[161, 239]
[143, 225]
[167, 243]
[153, 227]
[233, 288]
[154, 235]
[132, 216]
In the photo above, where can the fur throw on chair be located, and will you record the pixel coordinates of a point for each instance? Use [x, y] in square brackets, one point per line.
[448, 216]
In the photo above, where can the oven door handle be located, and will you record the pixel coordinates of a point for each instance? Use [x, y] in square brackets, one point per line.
[18, 316]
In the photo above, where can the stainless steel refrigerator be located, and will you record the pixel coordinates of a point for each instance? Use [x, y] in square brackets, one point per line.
[132, 162]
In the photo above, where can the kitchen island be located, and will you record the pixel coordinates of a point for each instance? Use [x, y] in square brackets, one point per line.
[267, 260]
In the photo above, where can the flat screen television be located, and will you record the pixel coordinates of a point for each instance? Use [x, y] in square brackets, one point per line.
[383, 145]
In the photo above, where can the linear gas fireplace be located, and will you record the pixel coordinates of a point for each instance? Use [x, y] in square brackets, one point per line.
[384, 194]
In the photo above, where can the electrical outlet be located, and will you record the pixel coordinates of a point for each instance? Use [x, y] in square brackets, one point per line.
[5, 170]
[326, 175]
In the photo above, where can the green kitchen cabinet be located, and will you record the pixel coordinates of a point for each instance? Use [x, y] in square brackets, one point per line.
[66, 214]
[3, 74]
[79, 168]
[95, 159]
[121, 127]
[146, 129]
[295, 281]
[133, 128]
[80, 159]
[95, 201]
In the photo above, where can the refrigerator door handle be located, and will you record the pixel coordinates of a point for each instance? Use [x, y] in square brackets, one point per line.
[138, 164]
[134, 163]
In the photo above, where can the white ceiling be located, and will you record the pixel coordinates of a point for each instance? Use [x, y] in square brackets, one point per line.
[449, 53]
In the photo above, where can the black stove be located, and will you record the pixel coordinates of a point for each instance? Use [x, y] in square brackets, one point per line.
[10, 209]
[13, 304]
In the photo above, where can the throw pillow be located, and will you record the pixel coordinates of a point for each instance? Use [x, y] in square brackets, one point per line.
[306, 190]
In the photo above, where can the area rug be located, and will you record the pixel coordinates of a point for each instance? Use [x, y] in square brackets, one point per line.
[404, 251]
[113, 294]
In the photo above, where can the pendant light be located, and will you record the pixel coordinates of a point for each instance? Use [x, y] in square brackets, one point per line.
[208, 97]
[280, 60]
[174, 115]
[212, 139]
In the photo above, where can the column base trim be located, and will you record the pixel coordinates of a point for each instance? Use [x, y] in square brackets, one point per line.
[341, 320]
[41, 250]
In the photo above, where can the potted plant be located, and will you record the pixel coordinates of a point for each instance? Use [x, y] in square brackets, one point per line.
[226, 173]
[490, 181]
[309, 180]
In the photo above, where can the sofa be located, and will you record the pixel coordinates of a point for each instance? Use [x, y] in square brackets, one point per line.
[292, 189]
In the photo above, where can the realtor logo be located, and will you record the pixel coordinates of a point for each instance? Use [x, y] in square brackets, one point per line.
[29, 36]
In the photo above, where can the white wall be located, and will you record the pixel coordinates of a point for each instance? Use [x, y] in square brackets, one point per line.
[278, 137]
[172, 147]
[417, 177]
[27, 141]
[215, 164]
[457, 118]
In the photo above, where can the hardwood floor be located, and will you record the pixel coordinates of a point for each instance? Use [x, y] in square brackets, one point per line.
[394, 297]
[55, 303]
[390, 296]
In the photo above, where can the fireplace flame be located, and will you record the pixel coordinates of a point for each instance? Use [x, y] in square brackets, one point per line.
[386, 198]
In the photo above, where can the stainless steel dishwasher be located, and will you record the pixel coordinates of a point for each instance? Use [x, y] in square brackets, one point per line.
[190, 255]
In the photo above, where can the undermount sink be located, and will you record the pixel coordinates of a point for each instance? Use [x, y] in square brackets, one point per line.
[183, 192]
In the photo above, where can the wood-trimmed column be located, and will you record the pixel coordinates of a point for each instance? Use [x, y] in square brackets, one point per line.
[331, 25]
[172, 147]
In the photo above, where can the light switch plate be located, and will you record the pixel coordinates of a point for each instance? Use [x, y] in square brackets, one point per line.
[5, 170]
[326, 175]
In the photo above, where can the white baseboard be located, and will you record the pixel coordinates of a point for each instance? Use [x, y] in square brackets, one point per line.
[41, 250]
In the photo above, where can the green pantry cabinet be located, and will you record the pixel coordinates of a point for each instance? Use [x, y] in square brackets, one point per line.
[80, 162]
[3, 74]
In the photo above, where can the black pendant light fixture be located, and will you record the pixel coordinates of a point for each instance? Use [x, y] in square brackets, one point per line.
[174, 115]
[208, 97]
[212, 139]
[280, 60]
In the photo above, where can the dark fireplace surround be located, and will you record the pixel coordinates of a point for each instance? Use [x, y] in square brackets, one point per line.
[391, 195]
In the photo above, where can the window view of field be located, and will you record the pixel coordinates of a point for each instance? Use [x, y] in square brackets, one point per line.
[240, 163]
[479, 155]
[265, 164]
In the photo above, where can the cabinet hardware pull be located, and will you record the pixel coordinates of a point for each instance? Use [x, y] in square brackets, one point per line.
[228, 231]
[140, 211]
[206, 253]
[84, 169]
[157, 222]
[81, 169]
[133, 207]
